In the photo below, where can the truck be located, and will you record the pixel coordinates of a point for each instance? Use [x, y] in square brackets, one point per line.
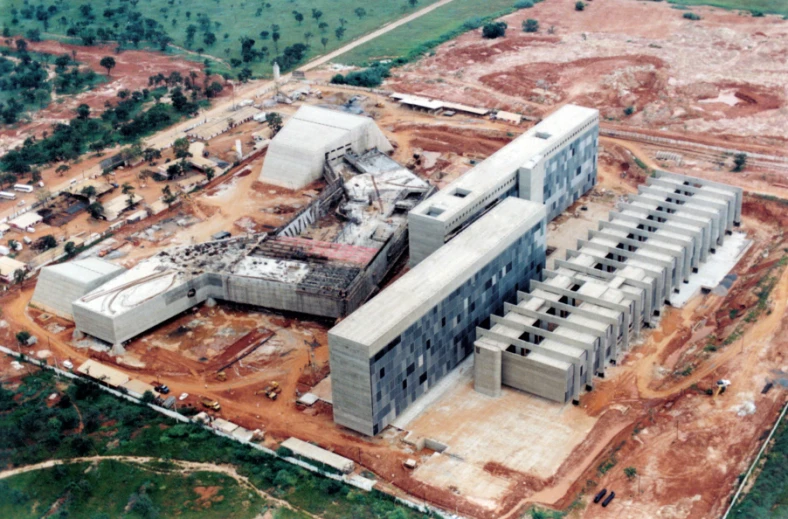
[7, 196]
[210, 404]
[23, 188]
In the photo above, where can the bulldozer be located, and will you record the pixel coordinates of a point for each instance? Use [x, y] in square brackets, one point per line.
[272, 390]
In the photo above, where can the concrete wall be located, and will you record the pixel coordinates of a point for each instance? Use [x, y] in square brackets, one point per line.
[543, 380]
[55, 291]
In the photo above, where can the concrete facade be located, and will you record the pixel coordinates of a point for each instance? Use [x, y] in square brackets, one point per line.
[553, 163]
[59, 285]
[566, 329]
[314, 137]
[424, 323]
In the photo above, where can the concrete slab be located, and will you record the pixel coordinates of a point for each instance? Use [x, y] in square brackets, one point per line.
[519, 431]
[711, 273]
[308, 399]
[323, 390]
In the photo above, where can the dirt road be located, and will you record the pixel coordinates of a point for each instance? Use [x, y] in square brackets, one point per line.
[165, 138]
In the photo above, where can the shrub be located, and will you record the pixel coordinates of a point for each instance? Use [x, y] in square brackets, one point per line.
[523, 4]
[579, 6]
[691, 16]
[369, 77]
[629, 110]
[739, 162]
[22, 337]
[530, 25]
[631, 473]
[756, 14]
[494, 30]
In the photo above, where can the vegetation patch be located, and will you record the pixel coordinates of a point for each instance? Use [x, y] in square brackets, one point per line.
[82, 420]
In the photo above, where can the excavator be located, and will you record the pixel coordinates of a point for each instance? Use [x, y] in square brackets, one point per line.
[722, 385]
[272, 390]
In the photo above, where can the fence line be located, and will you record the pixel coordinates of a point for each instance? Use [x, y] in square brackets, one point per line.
[350, 479]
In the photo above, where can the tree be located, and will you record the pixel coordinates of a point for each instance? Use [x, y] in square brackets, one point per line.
[210, 173]
[23, 336]
[209, 38]
[70, 249]
[96, 210]
[494, 30]
[631, 473]
[42, 195]
[308, 36]
[88, 191]
[530, 25]
[13, 244]
[108, 62]
[21, 45]
[317, 14]
[360, 12]
[19, 276]
[413, 2]
[169, 198]
[274, 121]
[245, 75]
[181, 148]
[739, 162]
[324, 41]
[298, 17]
[148, 397]
[579, 6]
[61, 169]
[48, 242]
[83, 112]
[339, 32]
[629, 110]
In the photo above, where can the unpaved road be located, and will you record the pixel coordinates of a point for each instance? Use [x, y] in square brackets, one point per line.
[181, 467]
[164, 139]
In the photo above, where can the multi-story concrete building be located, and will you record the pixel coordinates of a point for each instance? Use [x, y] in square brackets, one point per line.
[564, 331]
[553, 163]
[396, 347]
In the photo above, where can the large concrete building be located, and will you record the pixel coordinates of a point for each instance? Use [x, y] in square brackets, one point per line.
[401, 343]
[314, 137]
[553, 163]
[328, 273]
[564, 331]
[60, 285]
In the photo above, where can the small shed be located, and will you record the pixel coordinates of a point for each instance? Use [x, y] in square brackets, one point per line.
[303, 449]
[109, 376]
[7, 268]
[29, 219]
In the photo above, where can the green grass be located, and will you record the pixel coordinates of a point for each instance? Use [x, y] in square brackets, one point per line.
[764, 6]
[31, 431]
[428, 31]
[768, 497]
[108, 487]
[237, 18]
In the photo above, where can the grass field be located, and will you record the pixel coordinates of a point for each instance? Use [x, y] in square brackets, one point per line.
[763, 6]
[111, 488]
[426, 32]
[229, 20]
[85, 421]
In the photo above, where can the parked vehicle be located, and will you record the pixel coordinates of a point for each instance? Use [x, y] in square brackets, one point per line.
[609, 499]
[599, 495]
[5, 195]
[23, 188]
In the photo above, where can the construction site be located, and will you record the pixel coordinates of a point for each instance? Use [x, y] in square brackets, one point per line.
[278, 297]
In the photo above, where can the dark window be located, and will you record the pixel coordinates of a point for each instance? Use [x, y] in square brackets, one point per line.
[410, 369]
[428, 344]
[382, 372]
[404, 384]
[422, 378]
[443, 321]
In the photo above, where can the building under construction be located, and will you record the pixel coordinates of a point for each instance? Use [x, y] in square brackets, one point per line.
[361, 216]
[562, 332]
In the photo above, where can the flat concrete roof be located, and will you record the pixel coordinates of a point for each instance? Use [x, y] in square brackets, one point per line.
[85, 270]
[110, 376]
[9, 265]
[521, 152]
[404, 301]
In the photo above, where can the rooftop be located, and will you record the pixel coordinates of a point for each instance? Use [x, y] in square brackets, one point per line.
[443, 271]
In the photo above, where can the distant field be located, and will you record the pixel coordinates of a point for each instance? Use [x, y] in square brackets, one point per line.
[443, 21]
[764, 6]
[110, 489]
[228, 20]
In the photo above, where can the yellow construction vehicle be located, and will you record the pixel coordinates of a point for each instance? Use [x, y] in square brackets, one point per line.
[210, 404]
[272, 390]
[722, 385]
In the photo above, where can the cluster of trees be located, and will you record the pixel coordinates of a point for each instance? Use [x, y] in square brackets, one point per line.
[494, 30]
[26, 78]
[122, 123]
[370, 77]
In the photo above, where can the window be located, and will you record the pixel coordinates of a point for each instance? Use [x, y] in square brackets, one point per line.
[404, 384]
[443, 322]
[422, 378]
[382, 372]
[428, 344]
